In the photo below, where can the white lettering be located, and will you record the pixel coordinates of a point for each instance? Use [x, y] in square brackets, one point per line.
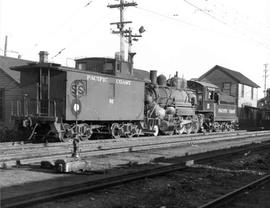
[97, 78]
[105, 79]
[122, 82]
[232, 111]
[223, 110]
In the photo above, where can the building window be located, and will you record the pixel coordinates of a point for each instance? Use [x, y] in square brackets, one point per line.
[242, 90]
[82, 66]
[2, 103]
[252, 93]
[227, 88]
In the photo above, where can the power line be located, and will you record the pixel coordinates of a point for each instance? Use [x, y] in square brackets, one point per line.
[169, 17]
[194, 25]
[245, 23]
[225, 23]
[203, 11]
[59, 52]
[66, 20]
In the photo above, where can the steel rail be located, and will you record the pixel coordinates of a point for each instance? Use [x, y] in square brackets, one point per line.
[25, 146]
[27, 158]
[126, 147]
[75, 189]
[21, 145]
[229, 196]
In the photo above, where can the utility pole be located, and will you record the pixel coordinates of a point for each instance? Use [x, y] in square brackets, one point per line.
[121, 24]
[265, 76]
[5, 49]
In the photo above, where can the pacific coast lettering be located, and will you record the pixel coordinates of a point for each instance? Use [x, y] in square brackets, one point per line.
[105, 79]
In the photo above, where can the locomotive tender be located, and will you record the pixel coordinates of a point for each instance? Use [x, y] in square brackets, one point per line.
[56, 98]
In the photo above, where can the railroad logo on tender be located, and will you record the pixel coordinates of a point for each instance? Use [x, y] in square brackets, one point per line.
[79, 88]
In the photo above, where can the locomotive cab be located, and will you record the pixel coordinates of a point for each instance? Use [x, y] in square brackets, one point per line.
[217, 109]
[207, 95]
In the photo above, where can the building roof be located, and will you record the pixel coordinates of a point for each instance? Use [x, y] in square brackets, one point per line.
[234, 74]
[7, 62]
[207, 84]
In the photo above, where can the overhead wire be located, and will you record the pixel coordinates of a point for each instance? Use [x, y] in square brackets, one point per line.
[228, 25]
[82, 33]
[176, 19]
[52, 32]
[205, 12]
[169, 17]
[239, 20]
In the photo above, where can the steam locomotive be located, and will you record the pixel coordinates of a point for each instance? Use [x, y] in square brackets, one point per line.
[103, 96]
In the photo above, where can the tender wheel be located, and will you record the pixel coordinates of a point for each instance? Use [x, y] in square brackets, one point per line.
[116, 131]
[188, 128]
[195, 127]
[68, 133]
[156, 130]
[181, 129]
[86, 132]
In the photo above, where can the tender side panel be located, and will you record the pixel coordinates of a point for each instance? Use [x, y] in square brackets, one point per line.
[103, 98]
[225, 112]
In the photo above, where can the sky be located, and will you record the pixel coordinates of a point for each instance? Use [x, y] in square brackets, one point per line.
[188, 36]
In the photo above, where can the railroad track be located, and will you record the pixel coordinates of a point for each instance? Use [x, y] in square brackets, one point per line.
[246, 196]
[31, 153]
[93, 185]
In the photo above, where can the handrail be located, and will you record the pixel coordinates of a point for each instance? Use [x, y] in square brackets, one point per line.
[26, 107]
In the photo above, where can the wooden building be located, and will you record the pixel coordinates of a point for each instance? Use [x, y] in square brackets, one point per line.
[242, 88]
[9, 88]
[233, 83]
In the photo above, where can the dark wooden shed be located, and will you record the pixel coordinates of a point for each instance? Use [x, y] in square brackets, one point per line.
[9, 88]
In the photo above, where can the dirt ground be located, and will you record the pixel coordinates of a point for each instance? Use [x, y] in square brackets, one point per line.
[190, 188]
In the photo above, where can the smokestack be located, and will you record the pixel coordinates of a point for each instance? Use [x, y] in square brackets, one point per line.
[43, 56]
[153, 76]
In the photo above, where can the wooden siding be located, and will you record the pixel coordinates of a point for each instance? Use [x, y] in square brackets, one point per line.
[12, 92]
[217, 77]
